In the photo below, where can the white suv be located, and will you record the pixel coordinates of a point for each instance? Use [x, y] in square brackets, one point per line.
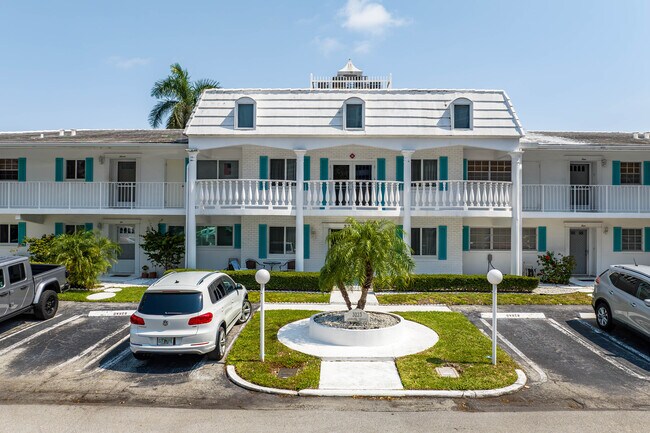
[188, 313]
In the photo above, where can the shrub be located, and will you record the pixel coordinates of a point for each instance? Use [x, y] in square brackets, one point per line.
[293, 281]
[457, 283]
[86, 255]
[163, 249]
[555, 270]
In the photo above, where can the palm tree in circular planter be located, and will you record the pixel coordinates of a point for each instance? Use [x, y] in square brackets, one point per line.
[363, 251]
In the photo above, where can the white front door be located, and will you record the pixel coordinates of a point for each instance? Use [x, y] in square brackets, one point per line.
[126, 238]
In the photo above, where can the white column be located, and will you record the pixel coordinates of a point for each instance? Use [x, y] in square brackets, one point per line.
[516, 245]
[190, 210]
[406, 216]
[300, 219]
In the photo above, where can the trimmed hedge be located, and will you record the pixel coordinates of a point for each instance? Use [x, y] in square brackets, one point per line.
[458, 283]
[292, 281]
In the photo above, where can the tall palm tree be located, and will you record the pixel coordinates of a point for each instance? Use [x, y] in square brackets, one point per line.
[177, 97]
[363, 251]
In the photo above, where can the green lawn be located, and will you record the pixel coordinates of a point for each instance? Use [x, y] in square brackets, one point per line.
[254, 296]
[128, 294]
[474, 298]
[245, 354]
[461, 346]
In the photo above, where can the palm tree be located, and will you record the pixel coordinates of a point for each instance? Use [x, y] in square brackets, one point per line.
[177, 97]
[363, 251]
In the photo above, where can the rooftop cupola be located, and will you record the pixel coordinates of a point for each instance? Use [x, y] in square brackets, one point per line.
[351, 77]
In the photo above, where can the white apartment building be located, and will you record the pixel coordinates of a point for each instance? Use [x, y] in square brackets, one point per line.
[267, 174]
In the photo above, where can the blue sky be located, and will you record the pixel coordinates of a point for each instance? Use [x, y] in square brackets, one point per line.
[567, 65]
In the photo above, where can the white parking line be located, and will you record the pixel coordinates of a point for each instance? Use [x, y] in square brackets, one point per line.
[616, 341]
[91, 348]
[24, 328]
[598, 352]
[36, 335]
[123, 354]
[542, 376]
[514, 316]
[101, 355]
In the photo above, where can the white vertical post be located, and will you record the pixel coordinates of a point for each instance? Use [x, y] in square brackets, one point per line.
[190, 210]
[406, 216]
[300, 219]
[494, 277]
[262, 277]
[516, 245]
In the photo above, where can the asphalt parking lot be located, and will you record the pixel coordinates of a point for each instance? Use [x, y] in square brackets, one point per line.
[82, 355]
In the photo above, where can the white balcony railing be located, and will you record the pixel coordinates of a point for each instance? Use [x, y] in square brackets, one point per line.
[586, 198]
[353, 194]
[245, 193]
[459, 194]
[92, 195]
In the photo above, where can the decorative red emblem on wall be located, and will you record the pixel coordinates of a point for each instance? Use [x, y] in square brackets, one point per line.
[352, 155]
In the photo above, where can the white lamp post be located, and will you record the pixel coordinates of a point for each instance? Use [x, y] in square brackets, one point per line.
[494, 277]
[262, 277]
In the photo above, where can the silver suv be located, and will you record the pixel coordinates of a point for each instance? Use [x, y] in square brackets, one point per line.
[622, 295]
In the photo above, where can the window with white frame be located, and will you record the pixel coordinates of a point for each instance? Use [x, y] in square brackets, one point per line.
[630, 173]
[484, 238]
[75, 169]
[424, 241]
[353, 115]
[495, 171]
[424, 170]
[70, 229]
[631, 240]
[8, 169]
[8, 234]
[282, 240]
[282, 169]
[176, 230]
[529, 238]
[245, 114]
[461, 114]
[210, 236]
[217, 169]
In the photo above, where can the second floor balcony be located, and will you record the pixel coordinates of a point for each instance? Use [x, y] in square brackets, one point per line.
[620, 199]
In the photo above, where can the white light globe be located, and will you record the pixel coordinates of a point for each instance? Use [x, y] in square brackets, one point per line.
[494, 276]
[262, 276]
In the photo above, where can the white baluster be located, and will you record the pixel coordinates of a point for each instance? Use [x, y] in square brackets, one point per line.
[320, 192]
[244, 197]
[250, 192]
[397, 201]
[256, 187]
[464, 194]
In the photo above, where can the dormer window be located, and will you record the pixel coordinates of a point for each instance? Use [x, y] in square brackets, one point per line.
[353, 115]
[461, 114]
[245, 114]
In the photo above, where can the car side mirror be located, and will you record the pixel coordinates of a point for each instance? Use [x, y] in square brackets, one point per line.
[238, 286]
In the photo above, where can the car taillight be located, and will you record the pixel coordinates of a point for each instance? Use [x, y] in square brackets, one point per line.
[137, 320]
[598, 280]
[201, 320]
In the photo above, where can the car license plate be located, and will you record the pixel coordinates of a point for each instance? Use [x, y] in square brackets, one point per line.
[165, 341]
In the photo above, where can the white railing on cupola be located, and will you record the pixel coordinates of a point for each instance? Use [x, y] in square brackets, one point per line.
[347, 82]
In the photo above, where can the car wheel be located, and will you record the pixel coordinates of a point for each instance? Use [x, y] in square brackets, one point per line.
[246, 310]
[47, 305]
[220, 348]
[141, 356]
[604, 316]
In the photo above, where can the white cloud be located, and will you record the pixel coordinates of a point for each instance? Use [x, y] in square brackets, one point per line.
[368, 17]
[328, 45]
[128, 62]
[362, 47]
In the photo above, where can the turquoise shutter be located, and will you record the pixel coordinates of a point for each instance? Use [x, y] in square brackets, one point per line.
[264, 171]
[465, 175]
[162, 228]
[237, 236]
[306, 239]
[324, 167]
[22, 232]
[616, 172]
[443, 171]
[541, 239]
[400, 231]
[465, 238]
[307, 170]
[89, 169]
[58, 174]
[399, 170]
[22, 170]
[89, 226]
[381, 175]
[262, 230]
[646, 172]
[58, 229]
[187, 162]
[618, 239]
[442, 242]
[646, 239]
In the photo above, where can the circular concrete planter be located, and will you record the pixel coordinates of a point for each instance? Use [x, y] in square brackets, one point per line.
[357, 337]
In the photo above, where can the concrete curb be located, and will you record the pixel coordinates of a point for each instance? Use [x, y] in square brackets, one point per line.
[482, 393]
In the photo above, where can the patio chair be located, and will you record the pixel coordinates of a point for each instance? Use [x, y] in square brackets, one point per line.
[253, 264]
[290, 265]
[233, 265]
